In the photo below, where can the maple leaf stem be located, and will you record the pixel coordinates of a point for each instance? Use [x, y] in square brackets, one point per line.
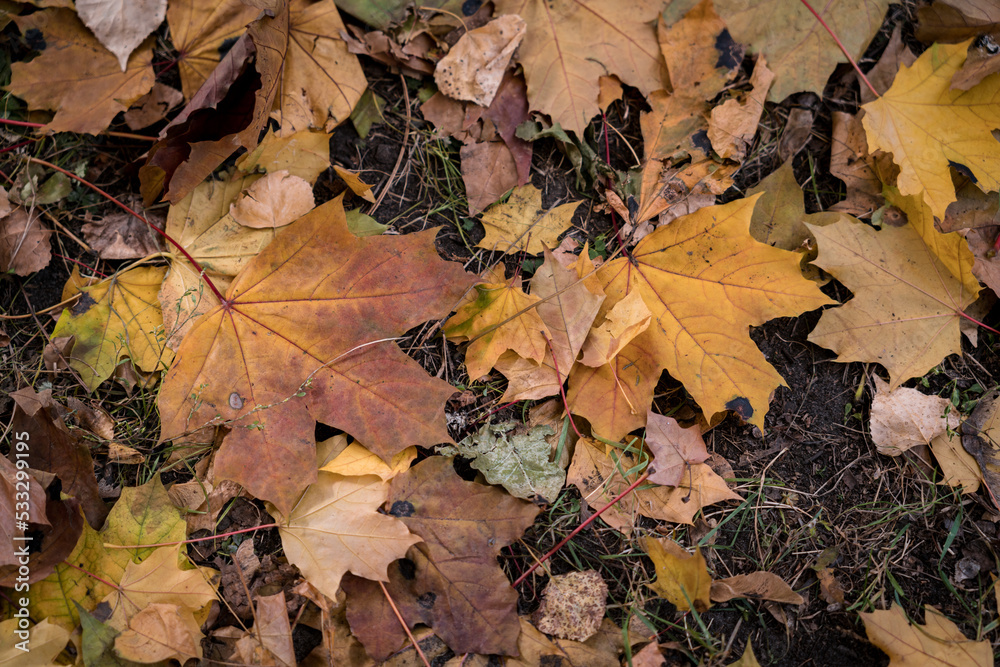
[607, 159]
[975, 321]
[187, 256]
[562, 543]
[192, 540]
[842, 48]
[93, 576]
[562, 390]
[79, 263]
[406, 628]
[121, 135]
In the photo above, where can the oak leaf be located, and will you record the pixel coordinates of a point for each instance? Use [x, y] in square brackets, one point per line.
[572, 43]
[927, 126]
[704, 259]
[937, 642]
[119, 25]
[521, 224]
[77, 77]
[116, 318]
[335, 528]
[798, 48]
[483, 320]
[301, 338]
[910, 285]
[451, 581]
[682, 578]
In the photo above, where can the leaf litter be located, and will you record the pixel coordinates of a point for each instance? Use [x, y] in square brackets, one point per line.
[276, 318]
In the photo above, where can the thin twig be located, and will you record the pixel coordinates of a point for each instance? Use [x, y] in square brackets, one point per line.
[121, 135]
[842, 48]
[406, 628]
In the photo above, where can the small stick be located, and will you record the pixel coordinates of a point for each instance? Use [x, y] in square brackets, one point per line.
[406, 628]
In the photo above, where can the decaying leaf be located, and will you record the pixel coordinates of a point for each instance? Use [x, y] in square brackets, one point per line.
[335, 528]
[122, 236]
[981, 439]
[153, 106]
[601, 650]
[327, 358]
[113, 319]
[958, 467]
[25, 243]
[733, 124]
[755, 586]
[681, 577]
[522, 225]
[926, 125]
[451, 581]
[516, 460]
[938, 642]
[76, 76]
[571, 43]
[706, 257]
[473, 68]
[903, 418]
[910, 283]
[199, 30]
[572, 605]
[121, 26]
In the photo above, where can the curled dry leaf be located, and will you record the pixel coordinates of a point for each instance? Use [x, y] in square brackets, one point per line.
[755, 586]
[980, 438]
[25, 243]
[473, 68]
[733, 124]
[354, 182]
[77, 77]
[572, 605]
[121, 26]
[904, 418]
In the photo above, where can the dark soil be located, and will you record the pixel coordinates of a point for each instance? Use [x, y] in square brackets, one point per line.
[817, 488]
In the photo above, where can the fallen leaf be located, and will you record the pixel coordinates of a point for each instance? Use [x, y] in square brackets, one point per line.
[798, 48]
[335, 528]
[682, 578]
[572, 605]
[274, 201]
[927, 126]
[609, 90]
[733, 124]
[367, 112]
[980, 435]
[627, 319]
[384, 14]
[516, 460]
[755, 586]
[372, 289]
[77, 77]
[701, 55]
[903, 418]
[121, 26]
[830, 589]
[570, 44]
[153, 106]
[861, 172]
[521, 224]
[302, 154]
[125, 455]
[47, 641]
[356, 460]
[979, 65]
[321, 80]
[483, 320]
[199, 31]
[18, 508]
[956, 20]
[451, 581]
[895, 56]
[473, 68]
[53, 448]
[534, 648]
[570, 299]
[674, 448]
[122, 236]
[270, 641]
[910, 283]
[796, 133]
[958, 467]
[488, 171]
[780, 211]
[675, 125]
[116, 318]
[160, 632]
[708, 256]
[937, 642]
[748, 659]
[972, 210]
[25, 243]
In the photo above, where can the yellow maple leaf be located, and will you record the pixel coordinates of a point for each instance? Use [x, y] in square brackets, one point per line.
[572, 43]
[522, 225]
[198, 30]
[483, 319]
[113, 319]
[910, 285]
[705, 281]
[682, 578]
[927, 125]
[938, 642]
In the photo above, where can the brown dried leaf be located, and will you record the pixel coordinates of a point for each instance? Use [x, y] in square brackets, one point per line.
[473, 68]
[674, 448]
[121, 26]
[572, 605]
[755, 586]
[25, 243]
[153, 106]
